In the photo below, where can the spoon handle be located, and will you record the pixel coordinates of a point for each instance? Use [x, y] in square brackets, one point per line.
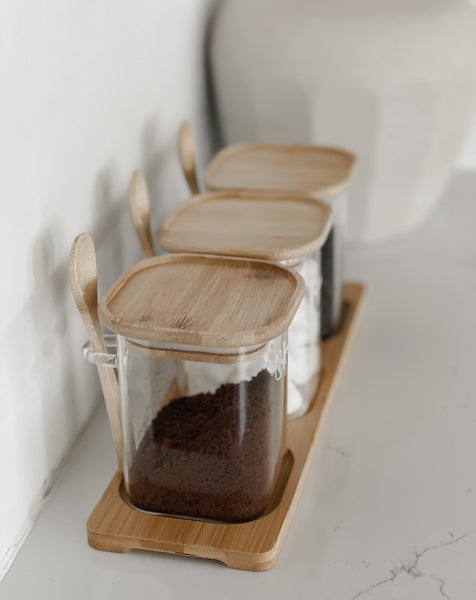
[186, 151]
[139, 207]
[83, 279]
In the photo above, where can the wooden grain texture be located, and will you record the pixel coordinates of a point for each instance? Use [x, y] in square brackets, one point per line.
[83, 279]
[254, 546]
[316, 171]
[186, 152]
[247, 224]
[139, 208]
[202, 300]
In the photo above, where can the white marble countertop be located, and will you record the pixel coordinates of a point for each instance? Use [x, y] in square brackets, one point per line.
[389, 507]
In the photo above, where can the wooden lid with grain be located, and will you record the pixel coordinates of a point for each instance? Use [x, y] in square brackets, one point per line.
[248, 224]
[316, 171]
[203, 300]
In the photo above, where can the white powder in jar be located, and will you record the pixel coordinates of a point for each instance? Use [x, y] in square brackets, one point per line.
[200, 377]
[304, 339]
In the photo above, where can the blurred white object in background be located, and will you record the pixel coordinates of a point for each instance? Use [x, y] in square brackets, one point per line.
[392, 80]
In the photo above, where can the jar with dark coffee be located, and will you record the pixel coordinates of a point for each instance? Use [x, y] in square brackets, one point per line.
[201, 358]
[320, 172]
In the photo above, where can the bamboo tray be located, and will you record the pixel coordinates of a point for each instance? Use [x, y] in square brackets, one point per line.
[115, 526]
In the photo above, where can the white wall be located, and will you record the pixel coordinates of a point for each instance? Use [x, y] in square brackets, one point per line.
[89, 91]
[467, 158]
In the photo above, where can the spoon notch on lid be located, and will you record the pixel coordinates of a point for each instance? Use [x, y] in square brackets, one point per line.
[83, 279]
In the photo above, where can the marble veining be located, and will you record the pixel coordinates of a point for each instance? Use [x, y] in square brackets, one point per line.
[413, 569]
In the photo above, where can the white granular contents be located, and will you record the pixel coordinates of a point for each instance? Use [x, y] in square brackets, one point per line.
[294, 402]
[208, 377]
[199, 377]
[303, 339]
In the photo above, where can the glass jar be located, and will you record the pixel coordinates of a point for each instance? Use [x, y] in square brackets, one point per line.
[202, 370]
[287, 230]
[203, 428]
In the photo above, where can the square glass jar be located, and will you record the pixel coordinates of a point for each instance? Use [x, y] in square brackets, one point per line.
[202, 367]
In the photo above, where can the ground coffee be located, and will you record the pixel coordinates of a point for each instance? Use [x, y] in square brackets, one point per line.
[212, 455]
[328, 284]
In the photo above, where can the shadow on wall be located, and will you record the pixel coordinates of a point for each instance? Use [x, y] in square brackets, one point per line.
[56, 382]
[44, 371]
[165, 180]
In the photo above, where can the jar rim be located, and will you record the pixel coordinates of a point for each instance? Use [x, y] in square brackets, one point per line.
[195, 353]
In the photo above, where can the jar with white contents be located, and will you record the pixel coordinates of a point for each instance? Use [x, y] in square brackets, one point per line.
[285, 230]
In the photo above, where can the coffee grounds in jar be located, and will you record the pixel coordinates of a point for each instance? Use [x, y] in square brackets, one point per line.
[212, 455]
[328, 283]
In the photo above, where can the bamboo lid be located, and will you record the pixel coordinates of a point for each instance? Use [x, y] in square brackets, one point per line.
[203, 300]
[316, 171]
[247, 224]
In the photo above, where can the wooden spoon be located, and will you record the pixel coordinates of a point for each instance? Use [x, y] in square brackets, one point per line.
[139, 208]
[186, 151]
[83, 279]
